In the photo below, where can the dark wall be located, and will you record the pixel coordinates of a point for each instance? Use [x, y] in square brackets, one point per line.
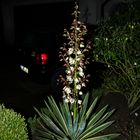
[42, 17]
[1, 29]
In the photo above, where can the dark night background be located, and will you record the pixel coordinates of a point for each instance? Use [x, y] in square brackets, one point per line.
[41, 16]
[18, 91]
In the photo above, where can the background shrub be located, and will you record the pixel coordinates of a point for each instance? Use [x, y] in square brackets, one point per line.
[12, 125]
[117, 45]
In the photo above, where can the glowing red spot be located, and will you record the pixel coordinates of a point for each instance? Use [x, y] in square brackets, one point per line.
[44, 58]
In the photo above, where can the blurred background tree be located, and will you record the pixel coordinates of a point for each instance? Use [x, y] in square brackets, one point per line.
[117, 46]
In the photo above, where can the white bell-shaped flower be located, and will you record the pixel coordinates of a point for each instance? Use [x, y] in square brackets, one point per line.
[67, 90]
[70, 51]
[80, 93]
[78, 86]
[82, 45]
[79, 52]
[79, 102]
[71, 100]
[71, 61]
[81, 73]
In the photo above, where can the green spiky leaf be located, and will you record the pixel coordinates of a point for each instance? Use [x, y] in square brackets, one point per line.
[56, 121]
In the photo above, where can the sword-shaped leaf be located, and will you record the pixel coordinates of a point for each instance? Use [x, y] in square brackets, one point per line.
[105, 137]
[59, 116]
[104, 118]
[97, 116]
[93, 131]
[44, 132]
[51, 124]
[91, 108]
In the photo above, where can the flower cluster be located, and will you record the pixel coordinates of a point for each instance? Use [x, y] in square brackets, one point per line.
[73, 55]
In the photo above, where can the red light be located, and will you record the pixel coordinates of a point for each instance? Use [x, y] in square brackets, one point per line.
[44, 58]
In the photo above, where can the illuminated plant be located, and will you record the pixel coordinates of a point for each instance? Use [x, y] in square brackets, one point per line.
[73, 54]
[73, 119]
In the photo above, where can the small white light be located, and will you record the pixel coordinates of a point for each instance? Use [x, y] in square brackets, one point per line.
[135, 64]
[136, 114]
[26, 70]
[21, 67]
[108, 66]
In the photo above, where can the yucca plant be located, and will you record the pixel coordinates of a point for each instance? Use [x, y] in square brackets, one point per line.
[56, 122]
[73, 118]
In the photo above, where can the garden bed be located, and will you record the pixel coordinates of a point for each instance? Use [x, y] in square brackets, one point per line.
[127, 125]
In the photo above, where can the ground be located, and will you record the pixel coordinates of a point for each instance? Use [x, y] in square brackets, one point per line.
[125, 124]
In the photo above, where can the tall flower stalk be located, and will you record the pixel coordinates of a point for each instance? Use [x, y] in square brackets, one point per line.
[73, 54]
[73, 119]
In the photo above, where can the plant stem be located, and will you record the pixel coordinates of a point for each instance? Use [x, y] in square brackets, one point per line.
[75, 67]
